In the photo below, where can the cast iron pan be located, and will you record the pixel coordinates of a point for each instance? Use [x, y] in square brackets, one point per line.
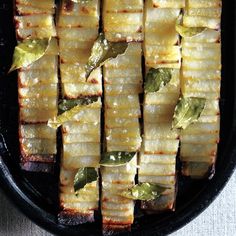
[36, 195]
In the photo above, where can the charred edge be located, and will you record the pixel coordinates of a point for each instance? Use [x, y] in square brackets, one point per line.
[69, 5]
[126, 11]
[110, 229]
[83, 96]
[37, 167]
[45, 158]
[71, 217]
[126, 40]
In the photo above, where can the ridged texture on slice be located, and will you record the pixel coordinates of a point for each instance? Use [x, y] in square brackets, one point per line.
[161, 47]
[81, 148]
[37, 143]
[117, 211]
[168, 3]
[203, 14]
[201, 77]
[123, 20]
[160, 144]
[37, 86]
[76, 209]
[157, 161]
[77, 30]
[122, 84]
[34, 19]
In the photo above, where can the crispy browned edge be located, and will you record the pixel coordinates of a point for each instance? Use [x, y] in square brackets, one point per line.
[72, 217]
[110, 229]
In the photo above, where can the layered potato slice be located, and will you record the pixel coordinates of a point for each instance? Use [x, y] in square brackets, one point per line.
[35, 19]
[117, 211]
[122, 84]
[38, 87]
[160, 143]
[123, 20]
[201, 77]
[161, 47]
[38, 146]
[157, 162]
[76, 209]
[122, 107]
[168, 3]
[203, 14]
[81, 149]
[77, 30]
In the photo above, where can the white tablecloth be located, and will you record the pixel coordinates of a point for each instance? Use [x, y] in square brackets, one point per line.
[218, 220]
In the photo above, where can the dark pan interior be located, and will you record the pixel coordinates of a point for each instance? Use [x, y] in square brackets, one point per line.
[36, 195]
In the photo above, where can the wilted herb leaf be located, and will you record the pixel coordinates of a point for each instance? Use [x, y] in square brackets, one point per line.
[102, 51]
[84, 176]
[144, 191]
[187, 111]
[29, 51]
[65, 105]
[156, 79]
[69, 114]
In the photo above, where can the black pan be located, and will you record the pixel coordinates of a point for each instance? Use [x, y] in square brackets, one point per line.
[35, 194]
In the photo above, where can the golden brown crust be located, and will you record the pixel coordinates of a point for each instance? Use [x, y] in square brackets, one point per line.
[71, 217]
[113, 229]
[46, 158]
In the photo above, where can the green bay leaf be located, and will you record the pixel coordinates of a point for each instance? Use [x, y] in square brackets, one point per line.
[187, 111]
[116, 158]
[28, 51]
[102, 51]
[69, 114]
[144, 191]
[65, 105]
[84, 176]
[157, 79]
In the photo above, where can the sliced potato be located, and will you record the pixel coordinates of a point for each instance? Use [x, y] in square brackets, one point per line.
[41, 131]
[81, 149]
[122, 101]
[50, 90]
[36, 115]
[169, 3]
[34, 21]
[123, 113]
[44, 4]
[71, 90]
[35, 32]
[72, 127]
[38, 146]
[31, 78]
[207, 149]
[161, 146]
[74, 162]
[159, 130]
[123, 21]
